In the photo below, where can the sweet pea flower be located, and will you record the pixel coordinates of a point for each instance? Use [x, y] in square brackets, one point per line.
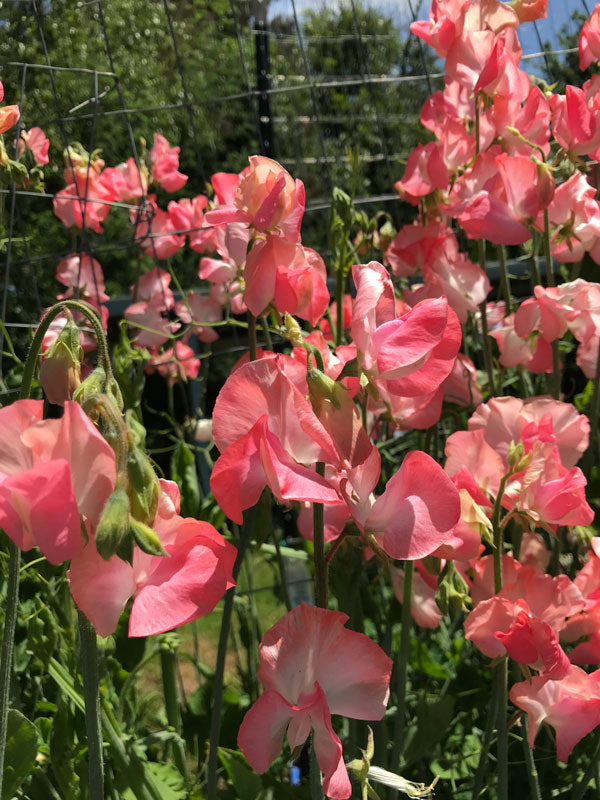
[38, 143]
[503, 420]
[51, 471]
[290, 276]
[407, 356]
[154, 287]
[267, 198]
[87, 198]
[423, 608]
[163, 161]
[343, 672]
[589, 40]
[268, 434]
[155, 231]
[444, 26]
[149, 317]
[571, 705]
[425, 172]
[83, 276]
[168, 591]
[9, 116]
[178, 363]
[575, 126]
[530, 10]
[197, 310]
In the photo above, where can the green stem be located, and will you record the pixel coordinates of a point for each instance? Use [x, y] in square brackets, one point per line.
[321, 590]
[490, 725]
[487, 350]
[168, 663]
[501, 670]
[316, 785]
[267, 332]
[339, 300]
[504, 280]
[282, 575]
[590, 456]
[501, 674]
[89, 663]
[36, 345]
[532, 773]
[548, 250]
[402, 668]
[252, 336]
[215, 722]
[579, 790]
[8, 646]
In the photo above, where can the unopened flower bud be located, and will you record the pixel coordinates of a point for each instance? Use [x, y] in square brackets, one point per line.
[546, 182]
[143, 487]
[293, 331]
[452, 595]
[60, 372]
[321, 387]
[94, 384]
[146, 538]
[113, 531]
[516, 451]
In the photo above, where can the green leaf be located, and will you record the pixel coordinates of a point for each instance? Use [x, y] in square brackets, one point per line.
[433, 720]
[183, 472]
[167, 779]
[21, 749]
[246, 782]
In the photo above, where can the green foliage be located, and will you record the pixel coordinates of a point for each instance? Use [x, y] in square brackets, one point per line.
[21, 751]
[183, 472]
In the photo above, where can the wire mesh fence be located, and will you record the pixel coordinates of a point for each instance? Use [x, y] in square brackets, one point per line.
[333, 92]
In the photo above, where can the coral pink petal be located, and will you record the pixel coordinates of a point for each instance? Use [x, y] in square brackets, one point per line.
[186, 584]
[37, 507]
[261, 733]
[418, 510]
[100, 588]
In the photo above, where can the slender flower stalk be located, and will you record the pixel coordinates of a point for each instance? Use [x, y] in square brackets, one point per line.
[485, 339]
[501, 669]
[321, 589]
[89, 663]
[218, 683]
[402, 667]
[168, 663]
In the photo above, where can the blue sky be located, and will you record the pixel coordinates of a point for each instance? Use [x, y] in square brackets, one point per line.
[559, 13]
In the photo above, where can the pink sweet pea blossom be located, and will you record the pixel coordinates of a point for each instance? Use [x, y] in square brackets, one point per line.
[343, 672]
[154, 287]
[83, 277]
[425, 172]
[589, 40]
[86, 200]
[571, 705]
[530, 10]
[9, 116]
[575, 126]
[423, 608]
[50, 472]
[154, 327]
[168, 590]
[155, 230]
[268, 198]
[36, 140]
[504, 419]
[178, 363]
[445, 24]
[268, 434]
[574, 216]
[188, 216]
[164, 164]
[198, 309]
[418, 510]
[412, 354]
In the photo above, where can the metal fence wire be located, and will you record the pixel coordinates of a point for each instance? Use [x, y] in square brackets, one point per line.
[304, 81]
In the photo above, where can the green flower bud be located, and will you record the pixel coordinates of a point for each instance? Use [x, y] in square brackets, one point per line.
[60, 372]
[112, 532]
[143, 487]
[94, 384]
[321, 387]
[452, 595]
[146, 539]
